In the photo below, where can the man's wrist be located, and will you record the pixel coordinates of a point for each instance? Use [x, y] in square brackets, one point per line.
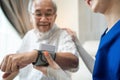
[35, 55]
[41, 60]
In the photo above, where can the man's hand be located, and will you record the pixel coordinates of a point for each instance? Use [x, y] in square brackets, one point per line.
[10, 76]
[14, 62]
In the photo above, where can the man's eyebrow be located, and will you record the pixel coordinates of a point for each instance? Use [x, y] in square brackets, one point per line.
[37, 10]
[48, 10]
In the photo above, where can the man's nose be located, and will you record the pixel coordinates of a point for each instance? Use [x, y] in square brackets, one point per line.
[43, 18]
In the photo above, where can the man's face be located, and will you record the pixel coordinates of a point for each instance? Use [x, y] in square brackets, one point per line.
[44, 15]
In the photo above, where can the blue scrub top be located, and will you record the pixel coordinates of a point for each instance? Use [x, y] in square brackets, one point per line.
[107, 63]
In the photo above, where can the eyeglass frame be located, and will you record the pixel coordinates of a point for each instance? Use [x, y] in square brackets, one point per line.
[46, 15]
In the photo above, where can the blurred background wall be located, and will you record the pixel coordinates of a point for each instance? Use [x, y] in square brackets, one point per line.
[76, 15]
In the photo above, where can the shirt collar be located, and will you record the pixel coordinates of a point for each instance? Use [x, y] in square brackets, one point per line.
[44, 36]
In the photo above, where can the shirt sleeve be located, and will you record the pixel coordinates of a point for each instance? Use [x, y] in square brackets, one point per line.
[25, 43]
[67, 44]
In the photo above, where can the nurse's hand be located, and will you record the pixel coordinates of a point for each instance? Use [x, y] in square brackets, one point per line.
[70, 32]
[53, 69]
[10, 76]
[51, 63]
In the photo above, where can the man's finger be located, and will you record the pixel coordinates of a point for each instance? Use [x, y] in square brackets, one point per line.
[3, 65]
[14, 67]
[0, 65]
[10, 76]
[8, 65]
[5, 75]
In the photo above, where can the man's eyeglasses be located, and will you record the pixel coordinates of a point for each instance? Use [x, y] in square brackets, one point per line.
[40, 15]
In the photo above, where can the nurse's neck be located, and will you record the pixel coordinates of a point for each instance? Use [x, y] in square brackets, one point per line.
[111, 24]
[112, 14]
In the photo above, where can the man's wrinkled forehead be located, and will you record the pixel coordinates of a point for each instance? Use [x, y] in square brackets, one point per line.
[40, 3]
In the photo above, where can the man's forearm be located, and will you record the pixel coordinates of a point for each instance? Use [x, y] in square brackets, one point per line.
[67, 60]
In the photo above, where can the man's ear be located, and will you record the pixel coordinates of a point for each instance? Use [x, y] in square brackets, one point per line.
[55, 16]
[30, 18]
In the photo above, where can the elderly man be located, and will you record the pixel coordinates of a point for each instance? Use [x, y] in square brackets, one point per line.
[43, 15]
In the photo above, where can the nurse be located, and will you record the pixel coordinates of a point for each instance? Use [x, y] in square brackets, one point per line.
[107, 62]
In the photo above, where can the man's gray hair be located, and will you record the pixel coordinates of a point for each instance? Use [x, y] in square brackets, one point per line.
[31, 9]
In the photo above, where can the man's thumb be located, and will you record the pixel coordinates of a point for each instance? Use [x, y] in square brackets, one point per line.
[5, 75]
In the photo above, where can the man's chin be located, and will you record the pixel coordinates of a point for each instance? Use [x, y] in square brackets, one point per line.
[43, 30]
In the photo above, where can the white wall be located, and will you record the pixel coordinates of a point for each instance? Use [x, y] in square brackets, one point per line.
[68, 14]
[76, 15]
[91, 25]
